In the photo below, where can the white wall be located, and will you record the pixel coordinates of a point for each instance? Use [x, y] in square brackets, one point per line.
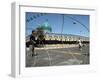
[5, 39]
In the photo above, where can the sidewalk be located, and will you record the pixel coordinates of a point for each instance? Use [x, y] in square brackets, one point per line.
[57, 46]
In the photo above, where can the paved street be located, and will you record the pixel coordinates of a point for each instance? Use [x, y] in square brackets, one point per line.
[57, 57]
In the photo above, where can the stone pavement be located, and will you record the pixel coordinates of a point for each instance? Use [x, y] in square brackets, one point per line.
[57, 56]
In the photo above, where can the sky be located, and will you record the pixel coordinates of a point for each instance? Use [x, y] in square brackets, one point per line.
[60, 23]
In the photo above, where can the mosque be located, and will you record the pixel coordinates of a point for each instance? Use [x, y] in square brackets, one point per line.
[60, 37]
[57, 38]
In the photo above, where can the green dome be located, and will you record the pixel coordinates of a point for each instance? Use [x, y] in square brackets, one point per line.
[46, 26]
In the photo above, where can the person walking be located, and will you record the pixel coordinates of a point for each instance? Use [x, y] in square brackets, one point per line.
[33, 38]
[80, 44]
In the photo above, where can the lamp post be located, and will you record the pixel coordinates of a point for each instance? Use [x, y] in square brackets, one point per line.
[62, 27]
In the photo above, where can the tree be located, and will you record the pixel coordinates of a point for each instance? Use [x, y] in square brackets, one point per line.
[40, 33]
[41, 30]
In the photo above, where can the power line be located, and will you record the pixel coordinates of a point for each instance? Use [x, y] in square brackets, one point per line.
[79, 23]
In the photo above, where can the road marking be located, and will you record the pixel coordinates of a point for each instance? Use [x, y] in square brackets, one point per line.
[74, 57]
[68, 53]
[49, 58]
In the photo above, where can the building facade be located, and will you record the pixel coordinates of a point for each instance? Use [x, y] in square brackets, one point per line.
[65, 37]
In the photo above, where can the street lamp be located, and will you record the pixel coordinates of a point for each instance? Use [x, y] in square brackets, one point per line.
[62, 27]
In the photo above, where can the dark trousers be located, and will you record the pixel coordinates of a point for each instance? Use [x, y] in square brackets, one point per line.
[33, 47]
